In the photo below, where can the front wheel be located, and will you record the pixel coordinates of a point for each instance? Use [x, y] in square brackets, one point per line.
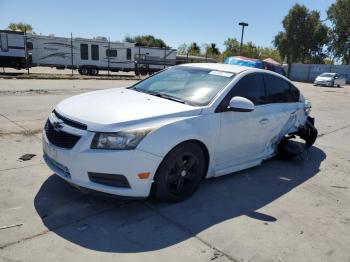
[180, 173]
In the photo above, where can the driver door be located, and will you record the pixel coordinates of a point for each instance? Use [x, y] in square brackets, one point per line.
[243, 135]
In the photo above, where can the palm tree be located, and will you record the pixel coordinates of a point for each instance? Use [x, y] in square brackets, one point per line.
[212, 50]
[194, 49]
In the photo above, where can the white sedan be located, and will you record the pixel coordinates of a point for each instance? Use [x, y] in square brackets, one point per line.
[166, 133]
[330, 79]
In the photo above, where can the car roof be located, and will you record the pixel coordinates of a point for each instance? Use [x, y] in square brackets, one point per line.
[236, 69]
[329, 73]
[220, 67]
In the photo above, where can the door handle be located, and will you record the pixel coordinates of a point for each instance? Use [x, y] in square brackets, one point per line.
[264, 121]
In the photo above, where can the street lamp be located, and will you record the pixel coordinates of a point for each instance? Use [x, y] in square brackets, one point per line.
[243, 24]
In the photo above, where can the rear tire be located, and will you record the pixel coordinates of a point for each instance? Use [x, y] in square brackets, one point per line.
[94, 71]
[180, 173]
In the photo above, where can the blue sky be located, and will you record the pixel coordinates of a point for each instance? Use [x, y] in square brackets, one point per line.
[175, 22]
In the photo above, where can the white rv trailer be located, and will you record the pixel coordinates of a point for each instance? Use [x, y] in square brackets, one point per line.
[90, 56]
[152, 59]
[12, 49]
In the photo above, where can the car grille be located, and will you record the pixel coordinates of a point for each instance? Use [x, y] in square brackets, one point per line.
[60, 138]
[70, 122]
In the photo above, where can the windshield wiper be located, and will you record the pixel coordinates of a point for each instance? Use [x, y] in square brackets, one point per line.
[172, 98]
[165, 96]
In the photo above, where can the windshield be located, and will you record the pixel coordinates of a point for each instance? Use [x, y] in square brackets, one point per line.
[190, 85]
[327, 75]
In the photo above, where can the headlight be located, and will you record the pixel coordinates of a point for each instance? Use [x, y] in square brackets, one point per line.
[123, 140]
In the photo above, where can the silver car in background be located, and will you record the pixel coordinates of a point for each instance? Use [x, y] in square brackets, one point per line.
[330, 79]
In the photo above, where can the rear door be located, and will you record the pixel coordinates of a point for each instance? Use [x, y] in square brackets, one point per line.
[283, 105]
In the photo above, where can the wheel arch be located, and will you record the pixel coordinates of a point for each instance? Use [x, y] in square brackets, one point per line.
[201, 144]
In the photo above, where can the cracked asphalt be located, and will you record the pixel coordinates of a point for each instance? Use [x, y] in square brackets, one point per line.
[297, 210]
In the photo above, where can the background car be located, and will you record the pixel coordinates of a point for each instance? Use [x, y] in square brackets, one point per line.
[330, 79]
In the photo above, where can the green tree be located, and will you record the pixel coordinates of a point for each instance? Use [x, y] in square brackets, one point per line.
[212, 50]
[23, 27]
[231, 47]
[194, 49]
[267, 52]
[304, 37]
[145, 40]
[339, 15]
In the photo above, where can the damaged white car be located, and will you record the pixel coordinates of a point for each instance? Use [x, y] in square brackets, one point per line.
[166, 133]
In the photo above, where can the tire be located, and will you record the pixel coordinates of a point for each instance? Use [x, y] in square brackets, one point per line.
[309, 134]
[84, 71]
[94, 71]
[180, 173]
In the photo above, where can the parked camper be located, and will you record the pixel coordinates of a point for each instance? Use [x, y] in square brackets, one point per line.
[87, 55]
[152, 59]
[90, 56]
[12, 49]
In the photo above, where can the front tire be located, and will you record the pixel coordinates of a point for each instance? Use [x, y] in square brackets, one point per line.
[180, 173]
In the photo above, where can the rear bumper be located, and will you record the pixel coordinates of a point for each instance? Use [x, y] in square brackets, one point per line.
[73, 165]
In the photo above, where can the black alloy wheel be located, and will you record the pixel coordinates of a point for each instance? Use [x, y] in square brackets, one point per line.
[180, 173]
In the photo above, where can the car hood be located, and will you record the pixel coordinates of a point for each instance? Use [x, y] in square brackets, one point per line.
[117, 108]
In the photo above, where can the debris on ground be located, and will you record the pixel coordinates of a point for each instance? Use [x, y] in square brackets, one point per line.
[340, 187]
[10, 226]
[216, 255]
[27, 157]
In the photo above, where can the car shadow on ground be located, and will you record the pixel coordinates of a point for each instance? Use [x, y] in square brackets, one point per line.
[105, 224]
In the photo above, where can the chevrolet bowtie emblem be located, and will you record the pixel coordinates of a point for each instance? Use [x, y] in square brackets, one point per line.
[57, 125]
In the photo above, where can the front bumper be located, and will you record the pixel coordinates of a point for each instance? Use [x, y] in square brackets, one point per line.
[73, 165]
[323, 83]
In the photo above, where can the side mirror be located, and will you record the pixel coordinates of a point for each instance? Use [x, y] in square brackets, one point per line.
[241, 104]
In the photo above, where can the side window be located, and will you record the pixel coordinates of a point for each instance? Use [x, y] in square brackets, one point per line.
[252, 88]
[128, 54]
[111, 53]
[294, 94]
[84, 52]
[94, 52]
[280, 90]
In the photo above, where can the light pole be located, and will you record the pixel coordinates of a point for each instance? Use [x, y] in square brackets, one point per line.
[243, 24]
[348, 46]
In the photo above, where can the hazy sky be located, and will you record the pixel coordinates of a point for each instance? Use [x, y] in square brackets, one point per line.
[175, 22]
